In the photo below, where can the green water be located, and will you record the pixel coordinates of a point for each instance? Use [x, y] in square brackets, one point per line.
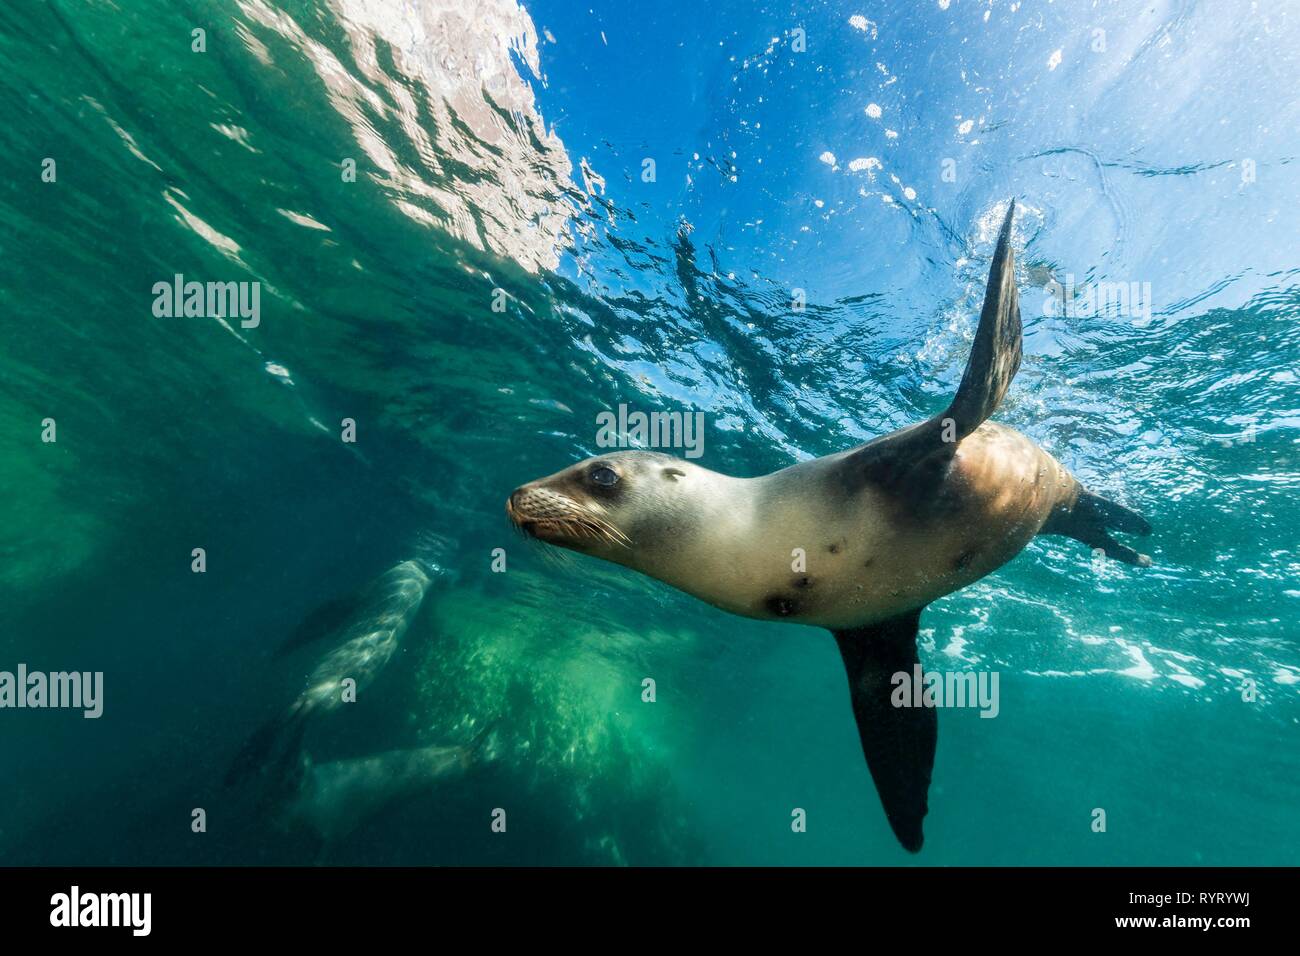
[1121, 688]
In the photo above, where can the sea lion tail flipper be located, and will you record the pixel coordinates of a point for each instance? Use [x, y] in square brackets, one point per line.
[1090, 518]
[898, 741]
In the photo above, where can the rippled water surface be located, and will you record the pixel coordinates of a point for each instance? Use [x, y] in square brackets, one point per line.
[476, 226]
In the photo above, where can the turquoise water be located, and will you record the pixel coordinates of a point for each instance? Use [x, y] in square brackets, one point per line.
[857, 157]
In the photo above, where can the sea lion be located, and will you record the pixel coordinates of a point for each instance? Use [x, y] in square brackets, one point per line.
[330, 800]
[858, 542]
[367, 628]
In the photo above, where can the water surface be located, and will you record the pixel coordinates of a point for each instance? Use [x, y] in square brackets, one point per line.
[852, 158]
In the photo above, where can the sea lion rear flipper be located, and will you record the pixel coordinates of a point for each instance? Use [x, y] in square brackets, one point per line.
[898, 742]
[322, 621]
[1090, 518]
[994, 359]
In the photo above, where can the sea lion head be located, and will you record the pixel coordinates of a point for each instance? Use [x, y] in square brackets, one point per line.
[612, 506]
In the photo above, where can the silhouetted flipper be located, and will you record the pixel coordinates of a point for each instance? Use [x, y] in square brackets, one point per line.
[898, 742]
[323, 621]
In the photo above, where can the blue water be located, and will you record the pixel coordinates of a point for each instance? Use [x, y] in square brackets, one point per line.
[855, 157]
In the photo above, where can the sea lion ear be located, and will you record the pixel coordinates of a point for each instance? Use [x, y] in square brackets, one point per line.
[672, 474]
[916, 457]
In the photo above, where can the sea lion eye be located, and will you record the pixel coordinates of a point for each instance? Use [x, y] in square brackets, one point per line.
[603, 475]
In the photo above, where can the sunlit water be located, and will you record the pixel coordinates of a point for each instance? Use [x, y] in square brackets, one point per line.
[652, 188]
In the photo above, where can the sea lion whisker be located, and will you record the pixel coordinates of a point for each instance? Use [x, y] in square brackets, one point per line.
[608, 531]
[555, 556]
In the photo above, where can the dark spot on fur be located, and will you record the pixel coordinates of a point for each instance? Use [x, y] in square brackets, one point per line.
[804, 582]
[780, 605]
[963, 560]
[867, 563]
[833, 548]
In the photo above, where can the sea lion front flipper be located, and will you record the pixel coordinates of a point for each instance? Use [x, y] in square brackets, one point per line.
[898, 742]
[995, 353]
[324, 621]
[909, 456]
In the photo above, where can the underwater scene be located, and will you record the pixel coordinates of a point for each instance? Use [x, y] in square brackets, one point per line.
[449, 432]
